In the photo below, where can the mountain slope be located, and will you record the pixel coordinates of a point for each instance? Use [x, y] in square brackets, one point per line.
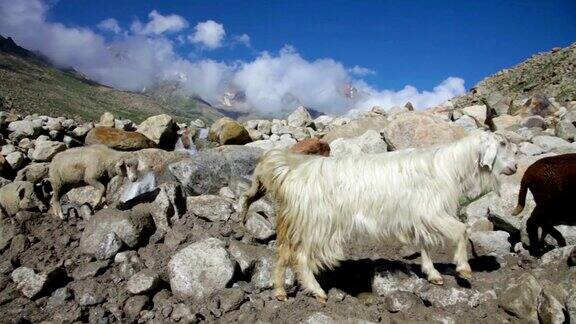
[552, 74]
[29, 84]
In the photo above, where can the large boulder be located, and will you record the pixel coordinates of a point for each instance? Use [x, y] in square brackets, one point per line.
[161, 129]
[520, 298]
[210, 170]
[210, 207]
[24, 128]
[118, 139]
[108, 227]
[536, 105]
[412, 129]
[200, 269]
[300, 117]
[226, 131]
[44, 151]
[370, 142]
[356, 128]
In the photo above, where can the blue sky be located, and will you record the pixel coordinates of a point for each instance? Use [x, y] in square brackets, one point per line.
[424, 44]
[405, 42]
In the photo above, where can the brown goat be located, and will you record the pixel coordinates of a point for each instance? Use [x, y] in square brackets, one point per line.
[552, 182]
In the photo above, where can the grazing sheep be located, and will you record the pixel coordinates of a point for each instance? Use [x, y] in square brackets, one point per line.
[552, 182]
[17, 196]
[88, 165]
[410, 195]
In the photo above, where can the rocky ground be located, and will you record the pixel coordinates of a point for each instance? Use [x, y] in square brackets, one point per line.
[178, 253]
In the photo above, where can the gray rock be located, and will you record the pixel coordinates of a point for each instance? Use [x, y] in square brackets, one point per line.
[533, 121]
[477, 112]
[550, 143]
[210, 170]
[369, 142]
[231, 299]
[134, 305]
[143, 282]
[259, 227]
[520, 298]
[468, 123]
[210, 207]
[490, 243]
[30, 283]
[108, 226]
[44, 151]
[300, 117]
[444, 296]
[15, 159]
[355, 128]
[246, 255]
[263, 272]
[530, 149]
[82, 195]
[400, 301]
[59, 297]
[7, 149]
[265, 127]
[504, 122]
[23, 128]
[387, 281]
[88, 292]
[89, 270]
[550, 310]
[160, 129]
[200, 269]
[556, 256]
[566, 130]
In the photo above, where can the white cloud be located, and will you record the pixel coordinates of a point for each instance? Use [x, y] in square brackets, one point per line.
[243, 39]
[159, 24]
[361, 71]
[209, 34]
[110, 25]
[271, 81]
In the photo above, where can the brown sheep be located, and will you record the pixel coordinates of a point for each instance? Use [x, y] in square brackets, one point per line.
[552, 182]
[88, 165]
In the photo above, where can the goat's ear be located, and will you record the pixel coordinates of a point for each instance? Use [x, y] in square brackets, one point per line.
[489, 150]
[21, 193]
[120, 167]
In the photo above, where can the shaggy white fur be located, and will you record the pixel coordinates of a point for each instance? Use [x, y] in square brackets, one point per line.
[409, 195]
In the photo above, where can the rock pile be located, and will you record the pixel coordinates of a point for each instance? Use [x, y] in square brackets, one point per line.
[179, 253]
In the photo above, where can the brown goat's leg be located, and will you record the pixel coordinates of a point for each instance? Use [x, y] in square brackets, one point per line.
[532, 225]
[284, 256]
[307, 278]
[548, 228]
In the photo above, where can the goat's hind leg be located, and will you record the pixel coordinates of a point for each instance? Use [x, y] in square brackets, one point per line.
[307, 278]
[284, 257]
[255, 192]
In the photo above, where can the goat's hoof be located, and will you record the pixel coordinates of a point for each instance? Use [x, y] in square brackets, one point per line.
[281, 296]
[465, 274]
[436, 281]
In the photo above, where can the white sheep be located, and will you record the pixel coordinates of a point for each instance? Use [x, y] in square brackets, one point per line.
[409, 195]
[17, 196]
[88, 165]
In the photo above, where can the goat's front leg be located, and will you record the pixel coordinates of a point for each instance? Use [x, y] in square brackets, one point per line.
[101, 190]
[428, 268]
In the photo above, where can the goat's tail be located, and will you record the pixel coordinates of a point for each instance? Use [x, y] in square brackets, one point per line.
[521, 198]
[269, 174]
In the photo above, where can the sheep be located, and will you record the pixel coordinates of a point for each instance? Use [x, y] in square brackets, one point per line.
[411, 195]
[88, 165]
[552, 182]
[17, 196]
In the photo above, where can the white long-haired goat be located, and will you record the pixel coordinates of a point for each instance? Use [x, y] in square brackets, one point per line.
[411, 195]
